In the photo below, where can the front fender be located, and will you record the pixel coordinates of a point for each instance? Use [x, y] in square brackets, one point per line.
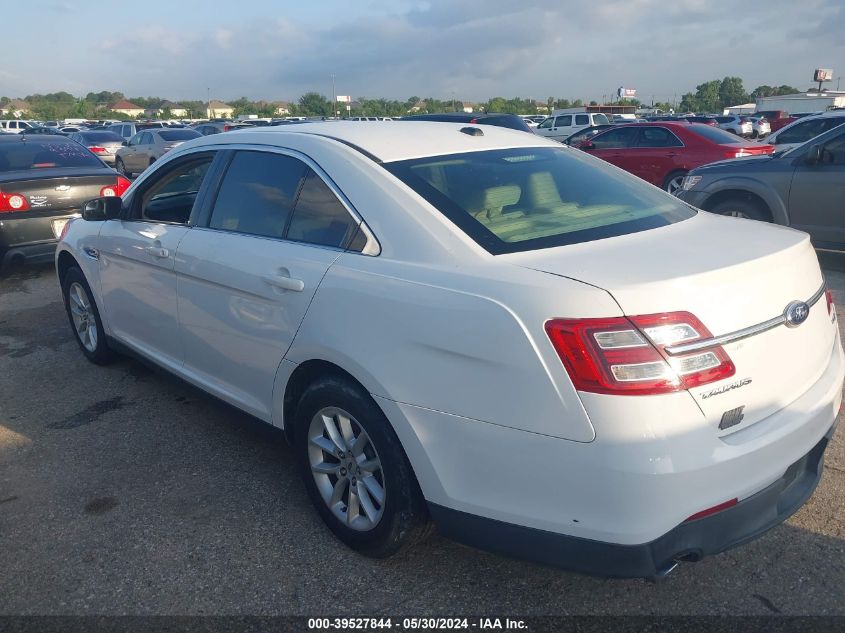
[751, 185]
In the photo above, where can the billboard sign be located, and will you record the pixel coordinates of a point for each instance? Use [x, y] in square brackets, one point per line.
[823, 74]
[626, 93]
[344, 99]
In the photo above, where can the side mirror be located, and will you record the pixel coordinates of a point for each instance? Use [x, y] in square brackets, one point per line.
[99, 209]
[125, 143]
[814, 155]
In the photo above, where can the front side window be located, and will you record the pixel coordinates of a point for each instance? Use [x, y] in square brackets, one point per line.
[615, 137]
[135, 140]
[546, 124]
[257, 194]
[319, 217]
[172, 196]
[523, 199]
[564, 121]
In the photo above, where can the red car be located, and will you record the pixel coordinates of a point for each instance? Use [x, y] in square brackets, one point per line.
[663, 153]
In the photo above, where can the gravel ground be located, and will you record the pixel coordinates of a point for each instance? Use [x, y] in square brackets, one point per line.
[125, 491]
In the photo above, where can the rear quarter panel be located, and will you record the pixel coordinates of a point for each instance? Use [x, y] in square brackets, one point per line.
[471, 345]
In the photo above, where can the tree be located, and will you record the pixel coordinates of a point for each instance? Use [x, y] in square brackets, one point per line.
[731, 92]
[315, 104]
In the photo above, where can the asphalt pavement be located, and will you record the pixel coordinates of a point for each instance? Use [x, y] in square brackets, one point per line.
[125, 491]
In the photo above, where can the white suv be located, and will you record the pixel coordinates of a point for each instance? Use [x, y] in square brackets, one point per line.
[563, 126]
[739, 125]
[14, 125]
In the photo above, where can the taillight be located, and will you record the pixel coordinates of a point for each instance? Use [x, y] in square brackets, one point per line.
[117, 189]
[737, 153]
[11, 202]
[626, 355]
[97, 150]
[828, 295]
[226, 128]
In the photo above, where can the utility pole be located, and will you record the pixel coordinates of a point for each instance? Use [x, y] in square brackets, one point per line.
[208, 103]
[334, 99]
[837, 83]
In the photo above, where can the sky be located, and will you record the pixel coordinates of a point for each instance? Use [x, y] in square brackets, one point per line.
[466, 50]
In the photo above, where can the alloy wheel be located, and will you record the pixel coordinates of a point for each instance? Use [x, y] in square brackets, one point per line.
[346, 468]
[674, 184]
[83, 316]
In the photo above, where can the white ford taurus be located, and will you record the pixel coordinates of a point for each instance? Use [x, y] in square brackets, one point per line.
[539, 352]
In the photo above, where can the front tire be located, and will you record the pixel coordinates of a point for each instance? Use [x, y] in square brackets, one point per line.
[84, 318]
[673, 181]
[355, 470]
[739, 208]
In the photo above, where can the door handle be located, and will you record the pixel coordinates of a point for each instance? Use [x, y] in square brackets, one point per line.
[285, 282]
[155, 251]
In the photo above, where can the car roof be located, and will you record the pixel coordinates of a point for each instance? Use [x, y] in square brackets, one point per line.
[400, 141]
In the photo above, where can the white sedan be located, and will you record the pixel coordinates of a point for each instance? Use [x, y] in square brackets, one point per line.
[540, 353]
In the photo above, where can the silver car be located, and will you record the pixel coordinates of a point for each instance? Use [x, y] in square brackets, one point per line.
[143, 149]
[101, 142]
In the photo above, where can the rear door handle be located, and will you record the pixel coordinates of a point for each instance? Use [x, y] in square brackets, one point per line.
[285, 282]
[155, 251]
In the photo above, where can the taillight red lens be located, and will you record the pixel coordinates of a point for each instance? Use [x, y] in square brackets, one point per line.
[117, 189]
[12, 202]
[226, 128]
[828, 295]
[97, 150]
[626, 355]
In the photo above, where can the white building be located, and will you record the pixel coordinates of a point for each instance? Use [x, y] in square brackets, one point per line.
[804, 102]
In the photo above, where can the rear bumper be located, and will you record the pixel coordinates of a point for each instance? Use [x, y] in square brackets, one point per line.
[29, 240]
[689, 541]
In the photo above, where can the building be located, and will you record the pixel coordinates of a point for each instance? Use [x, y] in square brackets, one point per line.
[417, 107]
[282, 108]
[467, 107]
[15, 108]
[745, 108]
[811, 101]
[126, 107]
[541, 106]
[176, 110]
[219, 110]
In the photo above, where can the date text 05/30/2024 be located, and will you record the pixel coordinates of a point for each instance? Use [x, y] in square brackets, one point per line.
[414, 624]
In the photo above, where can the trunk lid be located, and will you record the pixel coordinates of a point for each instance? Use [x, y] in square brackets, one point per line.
[54, 191]
[731, 274]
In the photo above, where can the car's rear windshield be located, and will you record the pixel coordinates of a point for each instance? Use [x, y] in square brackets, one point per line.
[101, 137]
[179, 135]
[514, 200]
[31, 154]
[715, 134]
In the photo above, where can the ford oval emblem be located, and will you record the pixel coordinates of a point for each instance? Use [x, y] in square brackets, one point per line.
[796, 313]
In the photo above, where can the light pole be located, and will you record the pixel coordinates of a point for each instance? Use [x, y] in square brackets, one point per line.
[334, 99]
[208, 103]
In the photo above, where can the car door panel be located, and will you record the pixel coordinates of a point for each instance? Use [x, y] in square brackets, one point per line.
[241, 301]
[817, 194]
[137, 256]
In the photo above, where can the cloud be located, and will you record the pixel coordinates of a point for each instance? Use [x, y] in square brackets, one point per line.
[532, 48]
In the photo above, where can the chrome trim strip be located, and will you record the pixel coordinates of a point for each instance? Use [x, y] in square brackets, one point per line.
[724, 339]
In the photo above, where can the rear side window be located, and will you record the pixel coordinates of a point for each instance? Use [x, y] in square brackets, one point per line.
[34, 154]
[582, 119]
[600, 119]
[657, 137]
[523, 199]
[319, 217]
[257, 194]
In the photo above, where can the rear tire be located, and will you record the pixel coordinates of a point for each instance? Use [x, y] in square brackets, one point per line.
[673, 181]
[355, 470]
[84, 317]
[741, 208]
